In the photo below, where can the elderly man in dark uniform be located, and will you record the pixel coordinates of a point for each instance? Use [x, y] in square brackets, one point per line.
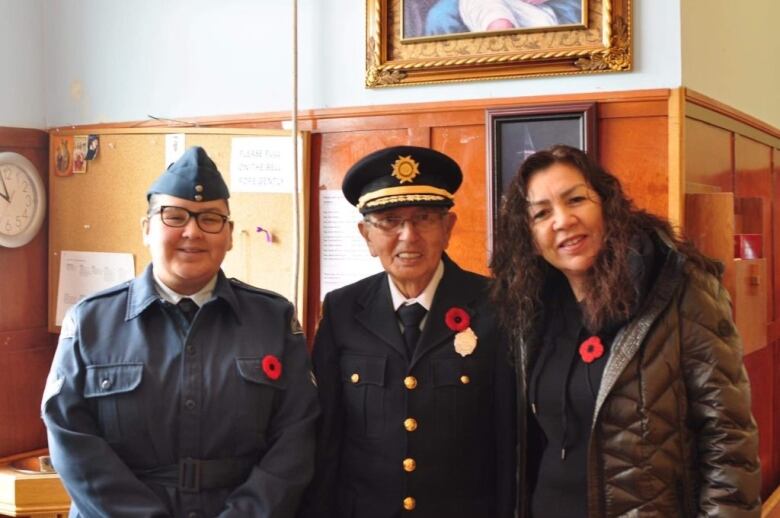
[183, 393]
[414, 377]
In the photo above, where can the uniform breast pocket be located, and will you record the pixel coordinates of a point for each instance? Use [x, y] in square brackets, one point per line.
[112, 389]
[363, 378]
[258, 393]
[462, 399]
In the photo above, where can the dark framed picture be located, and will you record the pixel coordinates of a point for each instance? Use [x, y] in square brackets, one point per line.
[514, 134]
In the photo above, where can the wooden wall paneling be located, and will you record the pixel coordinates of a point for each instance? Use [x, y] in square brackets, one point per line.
[761, 370]
[753, 178]
[635, 150]
[775, 231]
[24, 369]
[26, 348]
[467, 146]
[709, 224]
[750, 286]
[313, 294]
[774, 479]
[708, 156]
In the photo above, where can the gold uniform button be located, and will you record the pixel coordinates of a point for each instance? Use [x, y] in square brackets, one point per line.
[410, 465]
[354, 378]
[410, 424]
[410, 382]
[465, 380]
[410, 503]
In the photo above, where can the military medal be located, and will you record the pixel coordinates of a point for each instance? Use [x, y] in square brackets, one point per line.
[465, 342]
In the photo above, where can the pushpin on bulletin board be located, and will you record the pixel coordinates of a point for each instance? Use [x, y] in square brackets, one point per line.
[268, 237]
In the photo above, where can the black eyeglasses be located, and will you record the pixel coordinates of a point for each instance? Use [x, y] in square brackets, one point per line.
[177, 217]
[394, 224]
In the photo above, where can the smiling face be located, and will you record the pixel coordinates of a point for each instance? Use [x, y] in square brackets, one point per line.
[186, 258]
[566, 220]
[411, 255]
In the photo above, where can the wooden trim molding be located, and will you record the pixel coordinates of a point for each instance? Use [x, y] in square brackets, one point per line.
[676, 158]
[706, 109]
[312, 119]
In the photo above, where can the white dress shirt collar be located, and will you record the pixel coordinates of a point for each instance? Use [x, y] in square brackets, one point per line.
[425, 298]
[199, 298]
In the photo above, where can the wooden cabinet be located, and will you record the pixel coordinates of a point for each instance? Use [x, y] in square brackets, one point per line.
[712, 221]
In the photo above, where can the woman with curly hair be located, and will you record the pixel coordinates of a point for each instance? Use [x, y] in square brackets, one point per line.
[632, 396]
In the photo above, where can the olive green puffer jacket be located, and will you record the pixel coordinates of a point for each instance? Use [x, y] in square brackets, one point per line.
[672, 432]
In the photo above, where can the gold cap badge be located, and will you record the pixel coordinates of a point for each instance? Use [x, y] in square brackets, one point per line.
[406, 169]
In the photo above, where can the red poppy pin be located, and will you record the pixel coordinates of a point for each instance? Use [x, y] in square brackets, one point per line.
[272, 367]
[591, 349]
[457, 319]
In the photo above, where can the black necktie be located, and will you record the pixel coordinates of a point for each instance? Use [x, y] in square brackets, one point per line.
[411, 315]
[188, 309]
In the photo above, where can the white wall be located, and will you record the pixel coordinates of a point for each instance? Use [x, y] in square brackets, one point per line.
[121, 60]
[21, 64]
[731, 52]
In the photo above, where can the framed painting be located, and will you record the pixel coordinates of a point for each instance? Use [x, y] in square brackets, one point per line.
[514, 134]
[426, 41]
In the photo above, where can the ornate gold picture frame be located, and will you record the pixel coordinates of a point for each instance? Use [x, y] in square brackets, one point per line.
[404, 47]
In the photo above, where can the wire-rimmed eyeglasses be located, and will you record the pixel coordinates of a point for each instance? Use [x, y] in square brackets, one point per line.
[177, 217]
[390, 224]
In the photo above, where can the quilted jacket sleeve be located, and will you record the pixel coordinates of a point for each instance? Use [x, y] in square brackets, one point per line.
[719, 398]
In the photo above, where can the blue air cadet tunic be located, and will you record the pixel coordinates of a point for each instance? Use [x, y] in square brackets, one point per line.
[147, 418]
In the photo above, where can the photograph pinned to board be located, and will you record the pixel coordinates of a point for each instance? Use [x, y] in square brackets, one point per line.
[93, 144]
[60, 150]
[79, 154]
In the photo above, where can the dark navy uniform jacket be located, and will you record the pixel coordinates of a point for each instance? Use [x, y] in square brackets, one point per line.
[131, 394]
[434, 432]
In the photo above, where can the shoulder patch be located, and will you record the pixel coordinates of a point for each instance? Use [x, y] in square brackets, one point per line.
[53, 386]
[68, 328]
[248, 287]
[295, 326]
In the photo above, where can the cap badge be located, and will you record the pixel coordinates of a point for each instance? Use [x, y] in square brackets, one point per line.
[406, 169]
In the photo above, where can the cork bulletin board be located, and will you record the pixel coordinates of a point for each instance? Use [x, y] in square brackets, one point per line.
[101, 211]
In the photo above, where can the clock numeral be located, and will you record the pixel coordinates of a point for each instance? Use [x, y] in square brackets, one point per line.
[27, 200]
[8, 226]
[18, 221]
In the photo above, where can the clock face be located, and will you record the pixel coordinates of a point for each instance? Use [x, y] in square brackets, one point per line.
[22, 200]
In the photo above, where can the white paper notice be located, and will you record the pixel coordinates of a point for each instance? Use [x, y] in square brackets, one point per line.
[344, 256]
[84, 273]
[261, 164]
[174, 147]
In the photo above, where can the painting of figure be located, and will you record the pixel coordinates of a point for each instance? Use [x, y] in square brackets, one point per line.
[427, 18]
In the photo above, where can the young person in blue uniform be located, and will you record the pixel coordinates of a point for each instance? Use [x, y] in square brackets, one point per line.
[183, 393]
[632, 396]
[414, 377]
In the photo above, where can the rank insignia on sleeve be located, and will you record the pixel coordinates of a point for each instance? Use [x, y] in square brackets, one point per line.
[295, 326]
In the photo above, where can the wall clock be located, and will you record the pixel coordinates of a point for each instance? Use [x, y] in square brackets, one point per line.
[22, 200]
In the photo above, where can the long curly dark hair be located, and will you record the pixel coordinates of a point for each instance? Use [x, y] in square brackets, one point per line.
[520, 272]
